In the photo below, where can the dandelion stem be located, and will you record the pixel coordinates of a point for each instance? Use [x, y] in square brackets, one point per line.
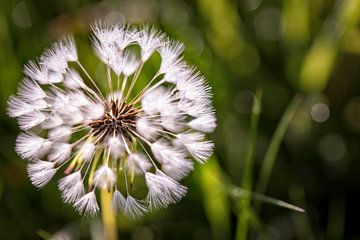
[108, 216]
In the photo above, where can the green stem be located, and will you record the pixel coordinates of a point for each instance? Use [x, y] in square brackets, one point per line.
[43, 234]
[238, 192]
[274, 146]
[302, 225]
[108, 216]
[244, 205]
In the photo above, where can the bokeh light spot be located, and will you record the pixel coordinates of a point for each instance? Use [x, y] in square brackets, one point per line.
[21, 16]
[249, 5]
[320, 112]
[332, 147]
[115, 17]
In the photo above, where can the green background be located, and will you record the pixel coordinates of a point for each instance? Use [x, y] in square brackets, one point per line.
[308, 48]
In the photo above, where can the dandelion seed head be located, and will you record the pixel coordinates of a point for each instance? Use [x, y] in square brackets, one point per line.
[110, 134]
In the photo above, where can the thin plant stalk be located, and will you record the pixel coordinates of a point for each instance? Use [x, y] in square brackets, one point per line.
[216, 206]
[274, 147]
[238, 192]
[302, 225]
[258, 225]
[108, 215]
[43, 234]
[245, 201]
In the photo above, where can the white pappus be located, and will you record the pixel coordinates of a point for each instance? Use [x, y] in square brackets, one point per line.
[108, 135]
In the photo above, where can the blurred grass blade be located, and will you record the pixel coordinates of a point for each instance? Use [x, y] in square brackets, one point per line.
[297, 31]
[336, 218]
[276, 202]
[258, 225]
[1, 189]
[244, 204]
[43, 234]
[320, 60]
[261, 229]
[225, 31]
[215, 198]
[242, 193]
[301, 221]
[274, 146]
[249, 161]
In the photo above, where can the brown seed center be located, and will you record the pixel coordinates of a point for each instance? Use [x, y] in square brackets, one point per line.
[119, 118]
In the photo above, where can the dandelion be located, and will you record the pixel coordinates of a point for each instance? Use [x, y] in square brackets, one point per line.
[108, 137]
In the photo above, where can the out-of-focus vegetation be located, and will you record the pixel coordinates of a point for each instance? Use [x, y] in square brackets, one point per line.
[297, 142]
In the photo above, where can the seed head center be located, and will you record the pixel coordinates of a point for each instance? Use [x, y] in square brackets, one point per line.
[119, 118]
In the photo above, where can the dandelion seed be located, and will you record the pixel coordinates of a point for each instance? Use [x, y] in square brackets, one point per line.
[73, 80]
[116, 146]
[60, 152]
[147, 129]
[193, 142]
[69, 180]
[31, 146]
[18, 107]
[118, 201]
[177, 168]
[72, 187]
[105, 177]
[170, 56]
[138, 163]
[107, 138]
[87, 204]
[163, 190]
[30, 91]
[36, 72]
[60, 134]
[133, 208]
[55, 59]
[31, 119]
[86, 151]
[41, 172]
[205, 123]
[68, 49]
[73, 193]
